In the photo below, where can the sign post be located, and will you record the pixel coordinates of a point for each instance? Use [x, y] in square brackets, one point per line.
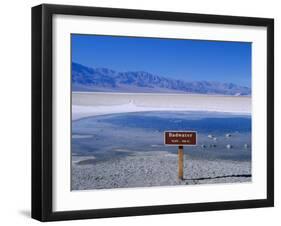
[180, 154]
[180, 139]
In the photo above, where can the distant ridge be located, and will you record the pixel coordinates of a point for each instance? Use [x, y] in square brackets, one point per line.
[107, 80]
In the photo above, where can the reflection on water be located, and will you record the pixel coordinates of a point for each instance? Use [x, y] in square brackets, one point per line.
[220, 135]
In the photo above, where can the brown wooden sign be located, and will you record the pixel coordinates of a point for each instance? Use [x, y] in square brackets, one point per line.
[180, 138]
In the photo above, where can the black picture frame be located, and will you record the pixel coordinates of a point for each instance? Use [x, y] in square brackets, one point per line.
[42, 106]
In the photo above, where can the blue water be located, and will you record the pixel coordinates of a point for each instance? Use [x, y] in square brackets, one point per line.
[123, 134]
[208, 124]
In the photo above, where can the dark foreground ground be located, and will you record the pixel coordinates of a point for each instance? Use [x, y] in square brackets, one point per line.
[154, 169]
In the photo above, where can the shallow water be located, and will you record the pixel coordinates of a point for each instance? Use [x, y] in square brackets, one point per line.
[118, 135]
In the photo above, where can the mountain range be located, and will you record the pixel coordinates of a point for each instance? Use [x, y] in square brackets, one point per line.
[107, 80]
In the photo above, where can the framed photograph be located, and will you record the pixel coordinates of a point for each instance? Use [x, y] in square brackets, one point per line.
[145, 112]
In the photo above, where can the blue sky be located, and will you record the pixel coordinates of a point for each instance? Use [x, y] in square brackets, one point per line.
[190, 60]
